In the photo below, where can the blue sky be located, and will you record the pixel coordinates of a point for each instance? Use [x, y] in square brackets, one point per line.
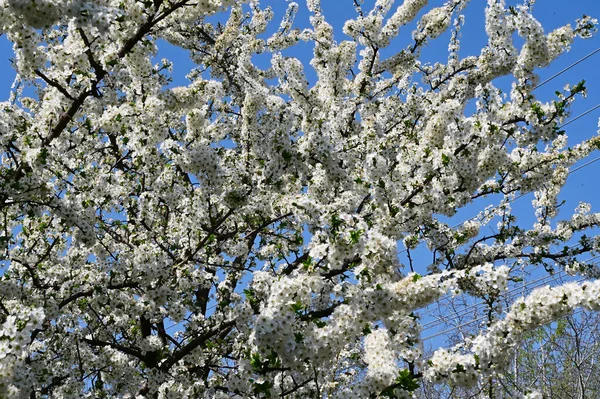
[583, 185]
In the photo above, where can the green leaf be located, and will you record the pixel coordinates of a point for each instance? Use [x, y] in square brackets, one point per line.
[286, 155]
[264, 388]
[307, 262]
[43, 155]
[355, 236]
[319, 323]
[406, 380]
[364, 273]
[336, 222]
[297, 307]
[367, 330]
[579, 87]
[445, 159]
[537, 109]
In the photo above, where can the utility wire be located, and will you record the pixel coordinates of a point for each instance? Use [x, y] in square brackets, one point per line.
[571, 314]
[527, 286]
[516, 288]
[447, 296]
[469, 322]
[579, 116]
[584, 165]
[526, 289]
[567, 68]
[564, 124]
[524, 194]
[476, 308]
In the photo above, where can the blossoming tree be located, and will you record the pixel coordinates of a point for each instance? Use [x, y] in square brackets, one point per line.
[237, 237]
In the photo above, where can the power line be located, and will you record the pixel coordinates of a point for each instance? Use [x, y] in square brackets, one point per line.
[535, 267]
[567, 68]
[524, 194]
[476, 307]
[561, 126]
[526, 287]
[584, 165]
[579, 116]
[467, 323]
[526, 284]
[575, 313]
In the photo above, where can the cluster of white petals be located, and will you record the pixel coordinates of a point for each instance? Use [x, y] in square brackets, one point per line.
[15, 348]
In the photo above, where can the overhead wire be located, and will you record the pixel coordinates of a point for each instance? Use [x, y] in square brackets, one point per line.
[584, 165]
[575, 313]
[561, 126]
[534, 267]
[437, 334]
[567, 68]
[475, 307]
[456, 317]
[579, 116]
[578, 168]
[571, 171]
[525, 286]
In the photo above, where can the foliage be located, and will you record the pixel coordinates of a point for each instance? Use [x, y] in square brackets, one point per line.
[238, 236]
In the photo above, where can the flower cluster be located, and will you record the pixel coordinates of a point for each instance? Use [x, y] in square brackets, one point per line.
[15, 336]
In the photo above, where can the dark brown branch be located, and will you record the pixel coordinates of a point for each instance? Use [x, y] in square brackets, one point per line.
[345, 267]
[101, 73]
[294, 265]
[318, 314]
[121, 348]
[202, 243]
[98, 69]
[90, 292]
[199, 341]
[54, 83]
